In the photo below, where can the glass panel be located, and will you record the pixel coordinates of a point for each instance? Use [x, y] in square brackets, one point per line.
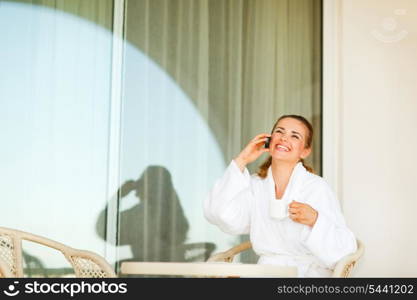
[55, 94]
[201, 78]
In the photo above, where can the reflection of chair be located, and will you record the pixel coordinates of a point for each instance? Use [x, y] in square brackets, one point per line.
[197, 251]
[342, 269]
[86, 264]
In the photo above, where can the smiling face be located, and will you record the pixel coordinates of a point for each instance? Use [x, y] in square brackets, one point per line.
[288, 141]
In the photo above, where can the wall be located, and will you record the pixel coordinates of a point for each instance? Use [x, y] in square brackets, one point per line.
[377, 126]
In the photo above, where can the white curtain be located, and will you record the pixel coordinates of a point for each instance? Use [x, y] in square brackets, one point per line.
[201, 78]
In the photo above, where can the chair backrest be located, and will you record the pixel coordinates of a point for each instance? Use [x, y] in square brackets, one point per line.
[86, 264]
[343, 267]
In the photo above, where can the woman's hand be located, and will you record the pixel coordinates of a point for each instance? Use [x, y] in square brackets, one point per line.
[252, 150]
[303, 213]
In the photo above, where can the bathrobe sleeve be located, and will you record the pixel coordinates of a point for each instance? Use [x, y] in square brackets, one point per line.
[329, 239]
[229, 201]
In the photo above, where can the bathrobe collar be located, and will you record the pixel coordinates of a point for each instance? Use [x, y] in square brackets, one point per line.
[291, 189]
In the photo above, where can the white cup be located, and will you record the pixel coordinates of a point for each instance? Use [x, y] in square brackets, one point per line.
[278, 209]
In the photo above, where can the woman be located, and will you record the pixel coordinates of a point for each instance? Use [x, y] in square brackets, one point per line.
[314, 236]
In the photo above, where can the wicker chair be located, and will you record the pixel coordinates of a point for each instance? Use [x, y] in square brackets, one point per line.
[86, 264]
[343, 267]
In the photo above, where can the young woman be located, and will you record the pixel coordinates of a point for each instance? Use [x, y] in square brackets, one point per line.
[314, 236]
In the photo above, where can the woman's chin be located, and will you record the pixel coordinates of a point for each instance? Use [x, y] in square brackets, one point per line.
[281, 157]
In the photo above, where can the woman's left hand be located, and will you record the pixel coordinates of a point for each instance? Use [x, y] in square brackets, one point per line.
[302, 213]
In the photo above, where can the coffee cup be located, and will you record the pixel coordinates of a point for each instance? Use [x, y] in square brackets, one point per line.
[278, 209]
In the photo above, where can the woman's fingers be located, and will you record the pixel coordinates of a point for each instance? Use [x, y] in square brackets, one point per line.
[296, 204]
[263, 140]
[260, 138]
[293, 210]
[252, 150]
[296, 211]
[295, 217]
[302, 213]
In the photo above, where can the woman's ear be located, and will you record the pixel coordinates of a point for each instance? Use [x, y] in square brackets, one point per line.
[306, 152]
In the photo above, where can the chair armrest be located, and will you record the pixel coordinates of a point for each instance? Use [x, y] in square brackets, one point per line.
[227, 256]
[345, 265]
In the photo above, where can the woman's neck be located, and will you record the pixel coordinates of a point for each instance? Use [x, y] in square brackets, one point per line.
[281, 172]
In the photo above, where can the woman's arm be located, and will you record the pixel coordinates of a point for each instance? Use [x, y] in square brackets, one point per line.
[229, 202]
[329, 239]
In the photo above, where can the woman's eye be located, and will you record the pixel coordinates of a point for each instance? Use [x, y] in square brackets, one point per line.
[296, 136]
[278, 130]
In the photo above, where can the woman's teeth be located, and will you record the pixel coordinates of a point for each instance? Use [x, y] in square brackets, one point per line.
[282, 148]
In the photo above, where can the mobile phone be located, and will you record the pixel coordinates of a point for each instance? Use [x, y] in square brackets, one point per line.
[266, 145]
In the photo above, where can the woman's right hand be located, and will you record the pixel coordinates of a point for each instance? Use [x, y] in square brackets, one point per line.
[252, 151]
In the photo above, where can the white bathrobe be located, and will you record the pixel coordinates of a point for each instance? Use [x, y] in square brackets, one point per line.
[239, 204]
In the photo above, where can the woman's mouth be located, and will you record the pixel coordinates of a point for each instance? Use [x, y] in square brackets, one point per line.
[282, 148]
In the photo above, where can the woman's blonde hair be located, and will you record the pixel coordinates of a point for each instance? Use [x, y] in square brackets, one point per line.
[263, 169]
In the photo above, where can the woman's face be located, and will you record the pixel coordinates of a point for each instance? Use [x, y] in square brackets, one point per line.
[288, 141]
